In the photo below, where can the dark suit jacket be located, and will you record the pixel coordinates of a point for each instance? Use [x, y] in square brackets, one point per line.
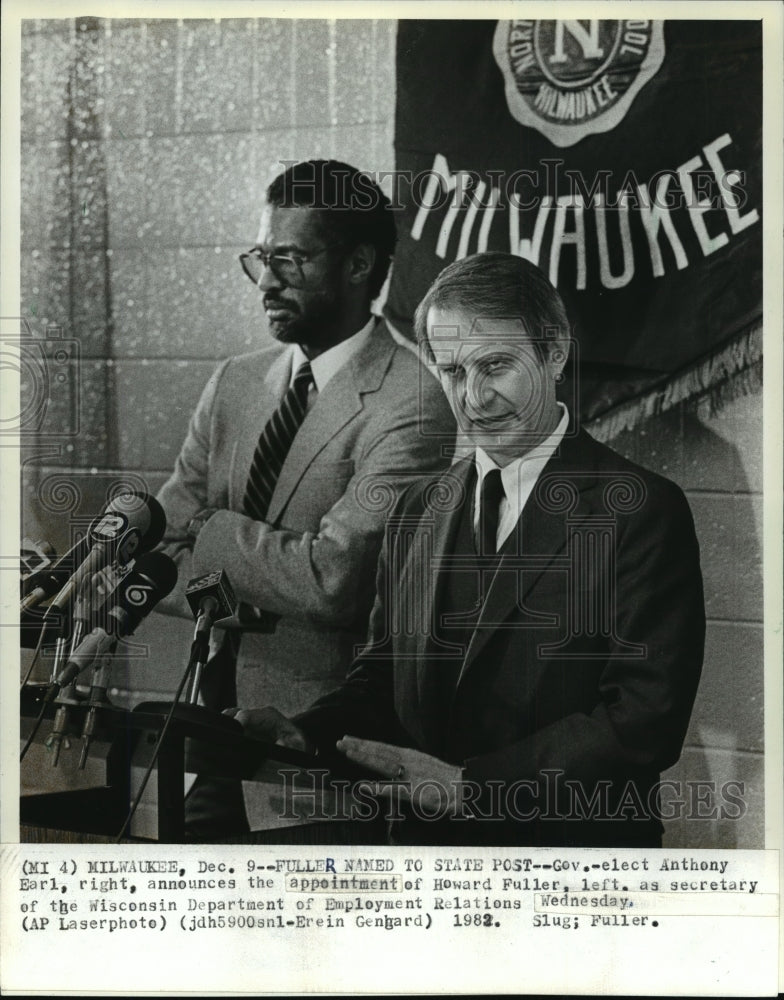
[580, 675]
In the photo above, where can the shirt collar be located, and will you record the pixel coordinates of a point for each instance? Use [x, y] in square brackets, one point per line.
[328, 364]
[520, 475]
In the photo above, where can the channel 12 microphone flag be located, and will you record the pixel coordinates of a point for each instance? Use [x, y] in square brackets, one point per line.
[624, 158]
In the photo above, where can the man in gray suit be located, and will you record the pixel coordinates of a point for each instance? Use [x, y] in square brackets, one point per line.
[294, 456]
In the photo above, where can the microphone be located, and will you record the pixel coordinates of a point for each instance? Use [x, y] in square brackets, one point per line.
[48, 580]
[152, 578]
[35, 557]
[131, 523]
[210, 598]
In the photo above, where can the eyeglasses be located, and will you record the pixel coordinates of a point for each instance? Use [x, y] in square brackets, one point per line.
[287, 267]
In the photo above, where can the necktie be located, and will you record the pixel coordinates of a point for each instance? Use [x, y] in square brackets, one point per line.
[274, 443]
[492, 494]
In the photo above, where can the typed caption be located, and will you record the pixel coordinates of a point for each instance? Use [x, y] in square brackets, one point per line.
[245, 901]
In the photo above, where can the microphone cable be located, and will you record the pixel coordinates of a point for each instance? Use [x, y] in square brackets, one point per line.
[34, 730]
[44, 703]
[196, 649]
[38, 647]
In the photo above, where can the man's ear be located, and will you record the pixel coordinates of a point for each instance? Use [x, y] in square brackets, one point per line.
[557, 356]
[360, 263]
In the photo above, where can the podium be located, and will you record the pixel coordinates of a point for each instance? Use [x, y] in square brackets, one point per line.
[65, 789]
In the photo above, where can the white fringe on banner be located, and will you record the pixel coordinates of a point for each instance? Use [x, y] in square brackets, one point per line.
[734, 371]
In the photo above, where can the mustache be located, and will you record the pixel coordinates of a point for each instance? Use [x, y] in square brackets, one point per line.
[270, 301]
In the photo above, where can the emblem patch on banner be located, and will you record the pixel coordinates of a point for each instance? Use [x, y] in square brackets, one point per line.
[570, 79]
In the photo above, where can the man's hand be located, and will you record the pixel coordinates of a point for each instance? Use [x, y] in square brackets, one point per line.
[269, 725]
[198, 521]
[435, 785]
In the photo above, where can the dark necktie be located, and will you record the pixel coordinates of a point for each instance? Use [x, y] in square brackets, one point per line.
[274, 443]
[492, 494]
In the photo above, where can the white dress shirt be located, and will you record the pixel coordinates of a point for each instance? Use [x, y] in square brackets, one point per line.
[328, 364]
[518, 479]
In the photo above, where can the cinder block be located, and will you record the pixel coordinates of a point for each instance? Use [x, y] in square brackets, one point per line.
[272, 152]
[748, 438]
[728, 712]
[45, 288]
[154, 405]
[160, 92]
[199, 305]
[271, 91]
[127, 268]
[45, 197]
[723, 451]
[216, 75]
[720, 452]
[358, 145]
[88, 65]
[88, 184]
[126, 78]
[310, 72]
[127, 187]
[45, 69]
[367, 146]
[136, 423]
[203, 186]
[732, 811]
[384, 56]
[50, 25]
[47, 413]
[96, 443]
[660, 443]
[90, 300]
[710, 459]
[729, 533]
[357, 84]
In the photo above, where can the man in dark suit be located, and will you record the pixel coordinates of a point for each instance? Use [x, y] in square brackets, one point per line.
[277, 480]
[538, 632]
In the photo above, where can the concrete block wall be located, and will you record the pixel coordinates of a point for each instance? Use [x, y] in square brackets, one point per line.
[146, 147]
[717, 461]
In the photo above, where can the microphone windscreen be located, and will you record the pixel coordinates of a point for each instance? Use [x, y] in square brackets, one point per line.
[153, 577]
[143, 511]
[159, 568]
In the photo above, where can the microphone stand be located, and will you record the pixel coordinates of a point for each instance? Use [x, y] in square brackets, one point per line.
[98, 704]
[68, 696]
[188, 712]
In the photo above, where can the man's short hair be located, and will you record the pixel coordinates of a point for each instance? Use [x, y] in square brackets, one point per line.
[352, 206]
[495, 285]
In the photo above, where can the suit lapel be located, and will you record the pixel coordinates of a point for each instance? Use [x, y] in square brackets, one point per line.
[430, 649]
[539, 536]
[259, 408]
[444, 527]
[335, 407]
[418, 591]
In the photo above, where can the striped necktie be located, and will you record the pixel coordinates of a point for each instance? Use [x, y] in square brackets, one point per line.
[274, 443]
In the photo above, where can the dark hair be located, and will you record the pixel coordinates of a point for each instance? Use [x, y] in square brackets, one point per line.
[497, 285]
[353, 208]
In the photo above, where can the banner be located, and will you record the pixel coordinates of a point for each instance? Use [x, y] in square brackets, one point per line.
[623, 157]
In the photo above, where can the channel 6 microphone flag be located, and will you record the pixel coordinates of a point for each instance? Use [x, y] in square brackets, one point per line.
[624, 158]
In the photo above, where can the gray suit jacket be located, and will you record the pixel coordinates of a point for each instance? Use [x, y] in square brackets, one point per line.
[380, 421]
